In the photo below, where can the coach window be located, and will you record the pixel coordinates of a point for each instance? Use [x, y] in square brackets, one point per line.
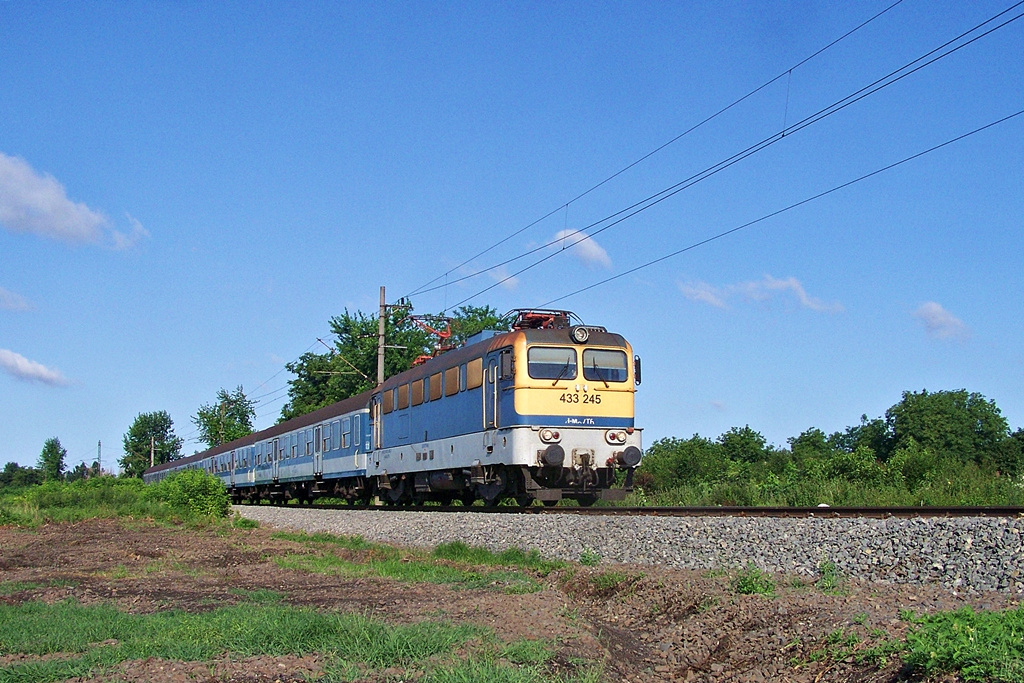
[417, 392]
[346, 425]
[336, 434]
[451, 381]
[435, 387]
[388, 401]
[550, 362]
[326, 431]
[309, 442]
[403, 397]
[474, 373]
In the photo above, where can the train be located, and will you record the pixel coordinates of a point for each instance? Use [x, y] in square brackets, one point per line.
[542, 412]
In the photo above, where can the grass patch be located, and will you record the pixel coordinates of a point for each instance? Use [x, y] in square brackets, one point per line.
[753, 581]
[455, 563]
[78, 632]
[590, 558]
[977, 646]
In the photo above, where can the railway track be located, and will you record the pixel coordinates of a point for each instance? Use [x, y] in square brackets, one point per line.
[708, 511]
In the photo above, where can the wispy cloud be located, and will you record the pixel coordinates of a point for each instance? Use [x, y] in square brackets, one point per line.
[764, 289]
[940, 323]
[12, 301]
[502, 277]
[22, 368]
[36, 203]
[586, 250]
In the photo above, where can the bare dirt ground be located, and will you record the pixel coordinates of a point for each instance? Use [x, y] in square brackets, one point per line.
[648, 624]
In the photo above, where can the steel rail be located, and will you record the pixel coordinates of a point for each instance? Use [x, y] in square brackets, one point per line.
[698, 511]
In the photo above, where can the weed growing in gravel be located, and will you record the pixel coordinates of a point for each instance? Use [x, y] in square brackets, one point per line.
[838, 645]
[753, 581]
[458, 551]
[240, 522]
[829, 578]
[590, 558]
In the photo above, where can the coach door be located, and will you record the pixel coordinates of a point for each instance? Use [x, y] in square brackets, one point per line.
[275, 458]
[231, 469]
[318, 451]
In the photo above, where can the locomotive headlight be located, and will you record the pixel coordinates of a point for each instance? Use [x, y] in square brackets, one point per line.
[550, 435]
[615, 436]
[580, 335]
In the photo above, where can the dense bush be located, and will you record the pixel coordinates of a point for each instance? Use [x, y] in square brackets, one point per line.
[192, 496]
[192, 493]
[943, 448]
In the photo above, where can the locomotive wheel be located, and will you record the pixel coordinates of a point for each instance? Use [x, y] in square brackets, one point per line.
[524, 501]
[492, 493]
[587, 500]
[550, 503]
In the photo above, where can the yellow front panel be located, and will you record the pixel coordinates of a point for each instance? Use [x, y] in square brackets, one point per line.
[579, 396]
[565, 399]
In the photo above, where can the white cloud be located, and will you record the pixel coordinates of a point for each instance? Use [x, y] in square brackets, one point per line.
[940, 323]
[501, 276]
[37, 204]
[22, 368]
[702, 291]
[12, 301]
[757, 290]
[586, 249]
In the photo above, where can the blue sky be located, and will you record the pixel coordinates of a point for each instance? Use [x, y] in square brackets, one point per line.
[189, 191]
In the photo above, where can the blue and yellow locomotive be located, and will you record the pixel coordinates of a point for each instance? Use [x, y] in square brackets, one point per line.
[542, 412]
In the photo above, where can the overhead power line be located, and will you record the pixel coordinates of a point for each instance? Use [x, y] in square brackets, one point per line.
[784, 209]
[787, 72]
[648, 202]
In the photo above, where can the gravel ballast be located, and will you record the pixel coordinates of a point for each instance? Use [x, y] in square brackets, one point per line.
[963, 554]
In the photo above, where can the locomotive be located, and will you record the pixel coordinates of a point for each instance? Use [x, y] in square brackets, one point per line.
[542, 412]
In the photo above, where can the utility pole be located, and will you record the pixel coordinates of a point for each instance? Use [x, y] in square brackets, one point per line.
[380, 337]
[152, 449]
[99, 456]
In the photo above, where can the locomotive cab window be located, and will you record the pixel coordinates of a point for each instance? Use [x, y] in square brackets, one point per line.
[600, 365]
[551, 362]
[435, 386]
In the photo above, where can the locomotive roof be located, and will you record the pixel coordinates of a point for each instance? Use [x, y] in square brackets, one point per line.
[598, 337]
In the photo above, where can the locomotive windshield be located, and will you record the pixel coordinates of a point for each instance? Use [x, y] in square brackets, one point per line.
[551, 362]
[604, 366]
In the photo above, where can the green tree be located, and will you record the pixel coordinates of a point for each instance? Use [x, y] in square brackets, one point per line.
[228, 418]
[83, 471]
[874, 434]
[672, 462]
[743, 444]
[957, 424]
[14, 474]
[350, 367]
[157, 426]
[51, 460]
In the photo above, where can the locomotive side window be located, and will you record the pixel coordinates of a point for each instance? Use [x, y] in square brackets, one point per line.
[435, 387]
[507, 369]
[403, 396]
[601, 365]
[474, 373]
[451, 381]
[388, 402]
[550, 362]
[417, 392]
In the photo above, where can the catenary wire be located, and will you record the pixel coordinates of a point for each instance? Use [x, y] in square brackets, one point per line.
[788, 72]
[784, 209]
[658, 197]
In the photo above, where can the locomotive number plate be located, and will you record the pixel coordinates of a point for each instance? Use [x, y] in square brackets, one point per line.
[580, 398]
